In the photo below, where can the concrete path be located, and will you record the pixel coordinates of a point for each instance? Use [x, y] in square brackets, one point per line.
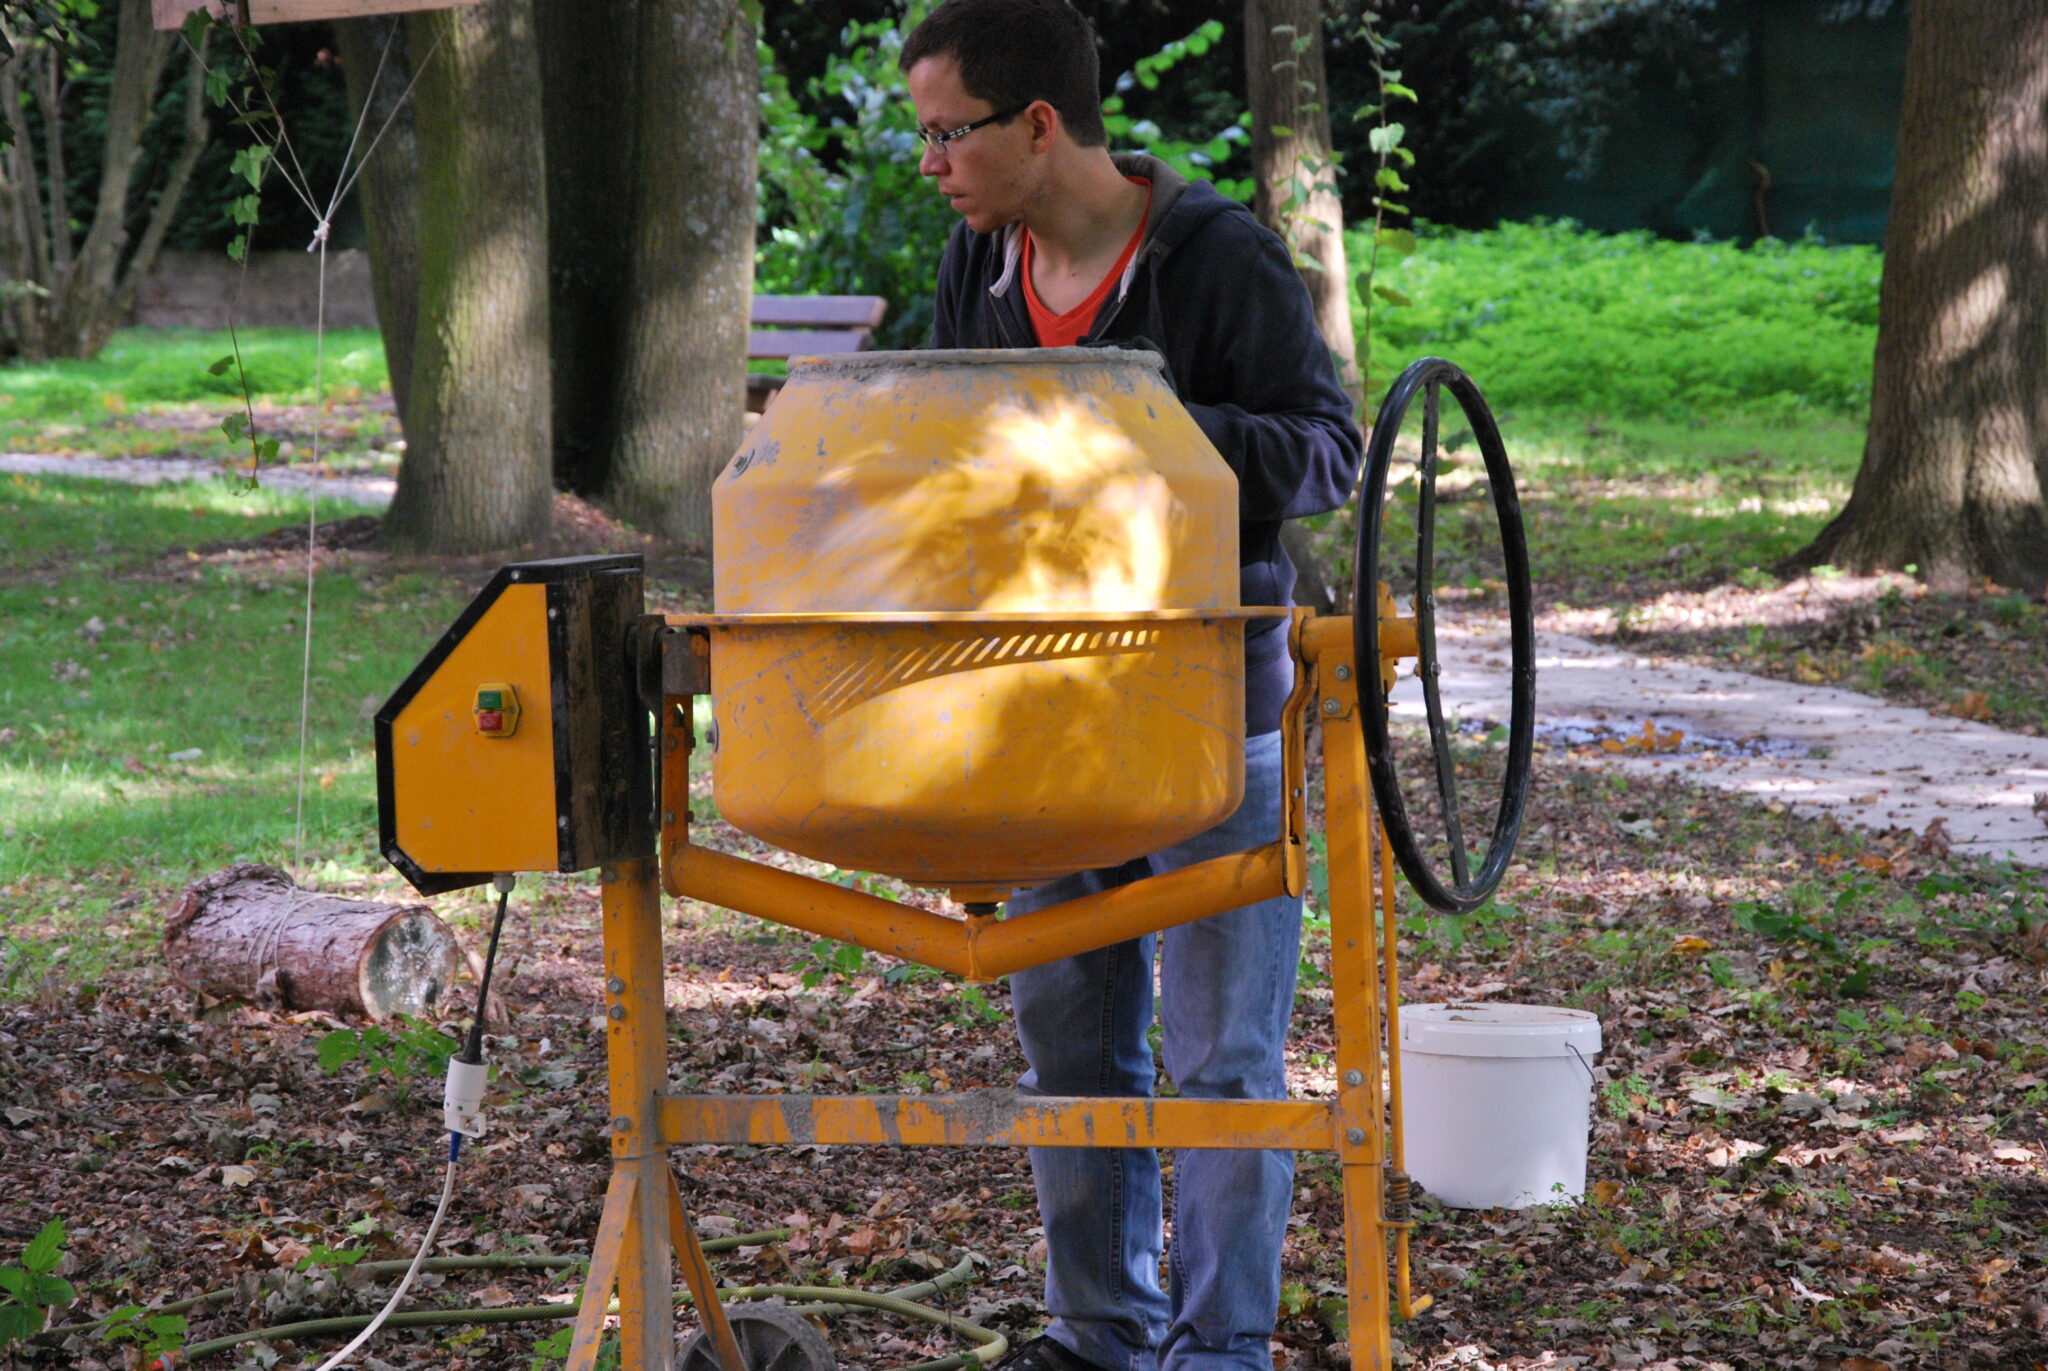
[373, 492]
[1819, 749]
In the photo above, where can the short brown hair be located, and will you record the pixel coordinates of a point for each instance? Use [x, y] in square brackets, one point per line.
[1012, 52]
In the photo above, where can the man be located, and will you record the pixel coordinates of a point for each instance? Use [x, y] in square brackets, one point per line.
[1064, 243]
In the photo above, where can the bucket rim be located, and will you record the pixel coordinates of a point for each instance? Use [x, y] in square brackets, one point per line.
[1469, 1028]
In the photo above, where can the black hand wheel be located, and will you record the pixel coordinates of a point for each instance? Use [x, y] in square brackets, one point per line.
[771, 1337]
[1466, 890]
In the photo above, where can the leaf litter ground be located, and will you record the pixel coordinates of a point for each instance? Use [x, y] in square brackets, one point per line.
[1818, 1143]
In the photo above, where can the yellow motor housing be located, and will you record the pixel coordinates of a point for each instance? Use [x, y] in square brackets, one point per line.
[1020, 651]
[520, 743]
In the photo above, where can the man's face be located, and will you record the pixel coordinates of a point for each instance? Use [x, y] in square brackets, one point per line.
[987, 176]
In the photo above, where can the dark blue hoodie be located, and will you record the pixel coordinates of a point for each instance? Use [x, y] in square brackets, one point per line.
[1216, 292]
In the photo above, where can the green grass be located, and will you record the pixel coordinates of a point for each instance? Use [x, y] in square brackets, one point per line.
[1555, 316]
[170, 366]
[1622, 506]
[151, 393]
[1623, 500]
[101, 801]
[1672, 411]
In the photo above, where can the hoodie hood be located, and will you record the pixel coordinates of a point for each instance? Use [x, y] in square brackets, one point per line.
[1179, 208]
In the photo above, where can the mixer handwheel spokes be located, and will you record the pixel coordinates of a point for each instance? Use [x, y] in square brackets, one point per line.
[1463, 889]
[771, 1338]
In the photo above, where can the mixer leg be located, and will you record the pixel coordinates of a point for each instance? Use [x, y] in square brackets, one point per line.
[633, 1240]
[1354, 965]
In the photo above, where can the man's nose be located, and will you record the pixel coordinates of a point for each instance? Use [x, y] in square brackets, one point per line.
[928, 160]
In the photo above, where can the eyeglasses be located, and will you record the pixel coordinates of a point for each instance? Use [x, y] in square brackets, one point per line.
[940, 141]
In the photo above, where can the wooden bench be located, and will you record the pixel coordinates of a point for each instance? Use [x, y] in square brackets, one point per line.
[786, 326]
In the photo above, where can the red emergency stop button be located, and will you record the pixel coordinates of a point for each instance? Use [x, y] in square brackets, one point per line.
[497, 710]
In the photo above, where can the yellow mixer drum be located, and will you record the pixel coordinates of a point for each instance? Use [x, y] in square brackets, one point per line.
[977, 617]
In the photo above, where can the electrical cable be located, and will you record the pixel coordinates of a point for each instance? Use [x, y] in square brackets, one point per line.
[463, 1112]
[473, 1050]
[426, 1243]
[462, 1109]
[488, 1261]
[820, 1300]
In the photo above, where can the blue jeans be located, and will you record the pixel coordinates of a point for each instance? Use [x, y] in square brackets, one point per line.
[1226, 994]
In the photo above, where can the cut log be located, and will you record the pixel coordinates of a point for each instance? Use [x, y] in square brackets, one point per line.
[248, 932]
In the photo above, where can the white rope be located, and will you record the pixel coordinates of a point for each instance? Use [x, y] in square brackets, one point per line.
[363, 115]
[263, 959]
[344, 183]
[305, 196]
[312, 557]
[349, 181]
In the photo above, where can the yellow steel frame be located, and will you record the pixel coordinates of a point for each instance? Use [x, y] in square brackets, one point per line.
[644, 1215]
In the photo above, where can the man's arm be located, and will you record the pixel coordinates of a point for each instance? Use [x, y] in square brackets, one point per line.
[1262, 384]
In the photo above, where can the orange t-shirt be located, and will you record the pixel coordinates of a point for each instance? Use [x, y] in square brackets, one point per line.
[1064, 330]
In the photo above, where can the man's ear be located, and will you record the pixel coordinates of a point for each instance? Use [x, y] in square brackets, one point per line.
[1045, 124]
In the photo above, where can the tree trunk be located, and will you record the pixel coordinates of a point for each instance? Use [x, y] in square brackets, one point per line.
[85, 293]
[588, 70]
[24, 232]
[65, 298]
[1294, 176]
[475, 476]
[249, 933]
[1295, 195]
[682, 389]
[1955, 460]
[141, 262]
[388, 184]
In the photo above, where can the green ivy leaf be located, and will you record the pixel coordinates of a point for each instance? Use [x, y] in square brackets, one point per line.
[245, 210]
[235, 425]
[250, 162]
[1386, 178]
[217, 84]
[1394, 90]
[1392, 296]
[239, 248]
[266, 451]
[1386, 138]
[220, 368]
[14, 1281]
[1399, 242]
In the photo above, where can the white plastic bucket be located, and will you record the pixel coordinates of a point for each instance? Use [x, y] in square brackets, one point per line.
[1497, 1102]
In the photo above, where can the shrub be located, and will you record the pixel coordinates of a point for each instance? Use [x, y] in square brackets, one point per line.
[1550, 314]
